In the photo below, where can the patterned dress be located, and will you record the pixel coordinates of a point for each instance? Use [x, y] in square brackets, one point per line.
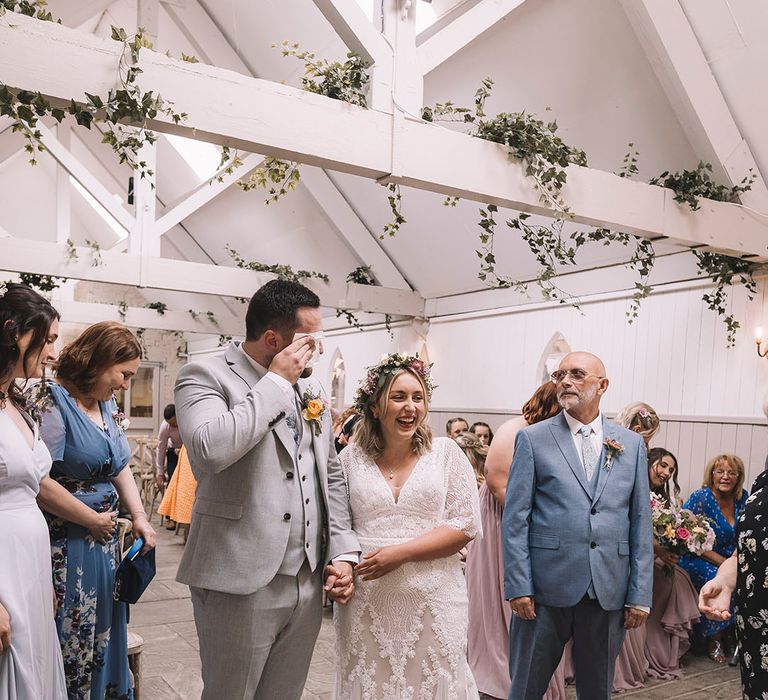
[703, 502]
[404, 636]
[92, 626]
[752, 591]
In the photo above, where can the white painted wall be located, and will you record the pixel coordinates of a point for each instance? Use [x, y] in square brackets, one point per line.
[674, 357]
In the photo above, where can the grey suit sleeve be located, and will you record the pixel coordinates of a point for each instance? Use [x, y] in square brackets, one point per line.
[518, 504]
[217, 436]
[342, 540]
[640, 591]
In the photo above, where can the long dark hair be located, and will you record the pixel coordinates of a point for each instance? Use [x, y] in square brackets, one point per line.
[655, 455]
[22, 310]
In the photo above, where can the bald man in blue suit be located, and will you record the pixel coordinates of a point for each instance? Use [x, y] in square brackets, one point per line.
[578, 550]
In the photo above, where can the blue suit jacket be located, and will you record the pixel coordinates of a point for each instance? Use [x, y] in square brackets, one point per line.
[558, 535]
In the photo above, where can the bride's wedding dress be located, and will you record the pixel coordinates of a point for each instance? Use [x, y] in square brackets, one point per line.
[404, 636]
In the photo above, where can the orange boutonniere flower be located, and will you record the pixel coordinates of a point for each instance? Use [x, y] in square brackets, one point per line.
[613, 448]
[314, 408]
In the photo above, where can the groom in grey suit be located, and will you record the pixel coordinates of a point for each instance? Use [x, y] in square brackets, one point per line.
[271, 508]
[576, 533]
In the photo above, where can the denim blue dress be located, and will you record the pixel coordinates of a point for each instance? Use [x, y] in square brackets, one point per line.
[703, 502]
[92, 626]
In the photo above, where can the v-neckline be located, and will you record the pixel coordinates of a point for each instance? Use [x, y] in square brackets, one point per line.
[396, 501]
[101, 428]
[33, 429]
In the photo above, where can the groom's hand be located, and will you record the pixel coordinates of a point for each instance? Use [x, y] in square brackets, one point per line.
[290, 362]
[523, 607]
[339, 582]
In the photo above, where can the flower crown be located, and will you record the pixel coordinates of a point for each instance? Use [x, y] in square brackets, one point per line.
[389, 364]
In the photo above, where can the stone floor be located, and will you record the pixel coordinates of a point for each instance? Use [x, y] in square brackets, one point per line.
[171, 666]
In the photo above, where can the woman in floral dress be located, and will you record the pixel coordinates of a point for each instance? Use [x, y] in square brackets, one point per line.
[722, 500]
[82, 428]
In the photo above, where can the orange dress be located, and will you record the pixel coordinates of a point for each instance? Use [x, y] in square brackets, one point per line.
[180, 495]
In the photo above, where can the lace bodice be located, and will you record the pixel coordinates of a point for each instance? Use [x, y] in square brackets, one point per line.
[441, 490]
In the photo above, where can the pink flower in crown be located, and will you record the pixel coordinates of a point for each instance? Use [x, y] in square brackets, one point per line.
[418, 366]
[682, 534]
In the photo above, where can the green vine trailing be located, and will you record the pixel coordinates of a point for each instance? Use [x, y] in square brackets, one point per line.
[690, 186]
[363, 274]
[346, 81]
[124, 112]
[283, 272]
[545, 157]
[723, 270]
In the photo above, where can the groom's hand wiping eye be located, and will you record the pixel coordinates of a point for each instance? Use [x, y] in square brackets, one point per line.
[290, 362]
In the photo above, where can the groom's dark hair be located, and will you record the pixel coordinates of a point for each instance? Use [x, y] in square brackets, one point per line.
[274, 307]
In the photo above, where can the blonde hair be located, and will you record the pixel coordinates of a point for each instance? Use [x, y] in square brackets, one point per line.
[368, 433]
[640, 418]
[476, 453]
[733, 462]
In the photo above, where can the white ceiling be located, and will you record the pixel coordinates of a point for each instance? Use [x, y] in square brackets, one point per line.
[578, 62]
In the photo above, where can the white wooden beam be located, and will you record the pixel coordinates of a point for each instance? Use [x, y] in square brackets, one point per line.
[683, 71]
[78, 171]
[262, 117]
[204, 193]
[83, 312]
[43, 258]
[340, 215]
[464, 29]
[361, 36]
[143, 239]
[398, 22]
[63, 189]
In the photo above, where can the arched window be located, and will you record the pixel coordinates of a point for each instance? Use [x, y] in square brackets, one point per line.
[556, 349]
[338, 380]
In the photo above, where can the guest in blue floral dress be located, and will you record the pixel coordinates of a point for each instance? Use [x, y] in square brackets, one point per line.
[722, 500]
[84, 432]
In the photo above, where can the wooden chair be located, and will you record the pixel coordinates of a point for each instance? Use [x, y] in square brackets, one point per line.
[135, 647]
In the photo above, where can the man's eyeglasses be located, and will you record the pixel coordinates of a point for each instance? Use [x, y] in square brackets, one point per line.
[576, 375]
[720, 472]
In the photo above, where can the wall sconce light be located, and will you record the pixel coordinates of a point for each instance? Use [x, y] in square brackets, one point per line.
[759, 341]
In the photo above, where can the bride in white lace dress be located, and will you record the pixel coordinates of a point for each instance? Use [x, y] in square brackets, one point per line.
[414, 504]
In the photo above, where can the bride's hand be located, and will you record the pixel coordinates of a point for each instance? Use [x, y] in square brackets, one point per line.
[379, 562]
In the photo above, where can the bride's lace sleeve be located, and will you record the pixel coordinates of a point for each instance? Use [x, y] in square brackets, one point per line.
[462, 505]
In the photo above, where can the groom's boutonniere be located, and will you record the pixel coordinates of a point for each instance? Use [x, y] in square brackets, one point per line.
[612, 448]
[314, 407]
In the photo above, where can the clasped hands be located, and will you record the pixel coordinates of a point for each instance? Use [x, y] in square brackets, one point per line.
[525, 608]
[339, 575]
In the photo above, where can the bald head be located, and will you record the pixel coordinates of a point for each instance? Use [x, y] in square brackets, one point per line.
[581, 382]
[585, 360]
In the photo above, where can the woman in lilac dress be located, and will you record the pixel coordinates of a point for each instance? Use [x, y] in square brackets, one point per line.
[489, 612]
[675, 608]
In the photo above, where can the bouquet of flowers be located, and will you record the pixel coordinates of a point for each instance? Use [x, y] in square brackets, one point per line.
[679, 530]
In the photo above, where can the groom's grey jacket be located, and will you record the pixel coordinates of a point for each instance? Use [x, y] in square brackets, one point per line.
[559, 534]
[243, 453]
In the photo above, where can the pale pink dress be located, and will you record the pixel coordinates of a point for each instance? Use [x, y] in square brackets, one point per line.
[489, 612]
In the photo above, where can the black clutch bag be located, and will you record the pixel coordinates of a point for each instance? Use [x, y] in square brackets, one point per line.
[134, 573]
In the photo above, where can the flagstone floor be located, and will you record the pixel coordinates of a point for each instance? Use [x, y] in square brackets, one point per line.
[171, 666]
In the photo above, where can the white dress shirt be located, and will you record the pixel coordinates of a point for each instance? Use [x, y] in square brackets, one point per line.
[596, 437]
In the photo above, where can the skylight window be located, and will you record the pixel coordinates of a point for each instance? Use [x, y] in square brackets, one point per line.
[202, 157]
[119, 231]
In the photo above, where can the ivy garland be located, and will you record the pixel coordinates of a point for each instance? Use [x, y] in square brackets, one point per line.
[158, 306]
[124, 105]
[283, 272]
[690, 186]
[363, 274]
